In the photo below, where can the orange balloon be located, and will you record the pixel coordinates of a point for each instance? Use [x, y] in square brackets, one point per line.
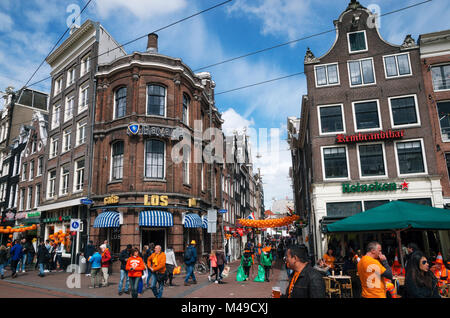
[10, 236]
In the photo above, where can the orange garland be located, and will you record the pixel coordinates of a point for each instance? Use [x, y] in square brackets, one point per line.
[269, 223]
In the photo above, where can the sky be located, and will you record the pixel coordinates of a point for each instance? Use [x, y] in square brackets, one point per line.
[30, 28]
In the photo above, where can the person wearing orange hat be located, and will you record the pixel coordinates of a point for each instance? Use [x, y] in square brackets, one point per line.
[190, 258]
[439, 270]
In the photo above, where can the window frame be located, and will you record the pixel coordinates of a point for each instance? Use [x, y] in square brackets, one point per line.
[85, 64]
[164, 157]
[81, 123]
[440, 127]
[53, 153]
[37, 195]
[75, 173]
[62, 175]
[361, 72]
[326, 75]
[323, 163]
[72, 99]
[396, 61]
[185, 116]
[165, 99]
[320, 121]
[70, 76]
[49, 184]
[423, 157]
[115, 101]
[66, 145]
[81, 107]
[391, 114]
[56, 110]
[111, 174]
[383, 149]
[365, 40]
[380, 123]
[431, 71]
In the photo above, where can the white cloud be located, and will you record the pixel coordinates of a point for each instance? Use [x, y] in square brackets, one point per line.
[6, 22]
[140, 8]
[233, 121]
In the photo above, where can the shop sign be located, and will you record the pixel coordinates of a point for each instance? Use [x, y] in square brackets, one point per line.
[374, 187]
[9, 216]
[57, 219]
[192, 202]
[21, 215]
[156, 200]
[376, 136]
[148, 130]
[111, 200]
[33, 215]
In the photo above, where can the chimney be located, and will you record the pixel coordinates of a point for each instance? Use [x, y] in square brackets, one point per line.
[152, 43]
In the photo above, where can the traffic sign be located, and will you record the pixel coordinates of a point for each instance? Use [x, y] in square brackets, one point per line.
[75, 225]
[223, 211]
[86, 201]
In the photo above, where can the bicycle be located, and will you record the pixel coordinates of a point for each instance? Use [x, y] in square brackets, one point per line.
[201, 267]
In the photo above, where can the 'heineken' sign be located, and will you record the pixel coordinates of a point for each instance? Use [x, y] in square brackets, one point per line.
[374, 187]
[375, 136]
[57, 219]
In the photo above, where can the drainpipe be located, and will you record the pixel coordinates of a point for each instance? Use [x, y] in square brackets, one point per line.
[91, 155]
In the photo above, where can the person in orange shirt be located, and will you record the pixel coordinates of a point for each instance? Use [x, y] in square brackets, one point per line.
[157, 265]
[440, 271]
[329, 258]
[371, 268]
[135, 267]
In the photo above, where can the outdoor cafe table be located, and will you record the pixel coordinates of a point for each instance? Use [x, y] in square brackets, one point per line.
[346, 280]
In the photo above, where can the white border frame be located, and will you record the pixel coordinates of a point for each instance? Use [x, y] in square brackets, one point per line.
[81, 108]
[431, 73]
[326, 75]
[111, 161]
[423, 157]
[165, 99]
[385, 175]
[396, 63]
[361, 72]
[68, 97]
[75, 168]
[145, 162]
[365, 39]
[440, 128]
[61, 183]
[323, 163]
[418, 124]
[380, 124]
[320, 122]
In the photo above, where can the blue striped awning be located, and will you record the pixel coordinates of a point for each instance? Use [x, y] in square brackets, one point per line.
[155, 218]
[107, 219]
[192, 220]
[205, 221]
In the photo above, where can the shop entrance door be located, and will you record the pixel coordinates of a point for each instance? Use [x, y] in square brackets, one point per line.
[156, 236]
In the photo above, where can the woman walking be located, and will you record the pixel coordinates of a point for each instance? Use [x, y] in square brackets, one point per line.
[135, 267]
[43, 257]
[3, 260]
[58, 260]
[420, 281]
[171, 263]
[96, 266]
[221, 261]
[213, 262]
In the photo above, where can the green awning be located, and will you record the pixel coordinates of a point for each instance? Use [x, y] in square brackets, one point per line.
[395, 215]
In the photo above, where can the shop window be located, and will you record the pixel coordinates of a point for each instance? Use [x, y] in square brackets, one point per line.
[327, 75]
[373, 204]
[404, 110]
[441, 77]
[424, 201]
[357, 41]
[335, 162]
[343, 209]
[156, 100]
[366, 115]
[371, 160]
[331, 120]
[361, 72]
[443, 109]
[410, 157]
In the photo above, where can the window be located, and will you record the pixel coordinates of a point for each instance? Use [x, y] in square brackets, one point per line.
[33, 144]
[186, 103]
[373, 204]
[357, 41]
[85, 65]
[366, 115]
[83, 98]
[53, 147]
[397, 65]
[443, 109]
[30, 197]
[21, 199]
[40, 166]
[70, 76]
[81, 132]
[410, 157]
[343, 209]
[423, 201]
[156, 100]
[327, 75]
[371, 160]
[37, 197]
[186, 160]
[361, 72]
[120, 99]
[117, 160]
[202, 176]
[404, 111]
[79, 175]
[68, 111]
[441, 77]
[335, 162]
[31, 170]
[58, 85]
[331, 119]
[154, 159]
[64, 180]
[24, 171]
[51, 184]
[55, 115]
[66, 139]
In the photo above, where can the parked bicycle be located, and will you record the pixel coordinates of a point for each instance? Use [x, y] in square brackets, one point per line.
[201, 267]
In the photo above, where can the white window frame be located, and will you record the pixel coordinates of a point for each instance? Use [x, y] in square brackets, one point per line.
[40, 168]
[202, 176]
[165, 161]
[22, 194]
[112, 161]
[53, 147]
[50, 183]
[29, 198]
[360, 69]
[61, 187]
[85, 65]
[320, 122]
[323, 163]
[440, 128]
[76, 171]
[81, 124]
[423, 156]
[188, 107]
[70, 76]
[385, 175]
[186, 166]
[146, 100]
[37, 195]
[31, 174]
[379, 115]
[82, 107]
[348, 42]
[69, 100]
[66, 143]
[56, 110]
[434, 90]
[24, 171]
[396, 61]
[326, 75]
[418, 124]
[58, 85]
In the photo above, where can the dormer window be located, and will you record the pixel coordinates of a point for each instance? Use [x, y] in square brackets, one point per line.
[357, 41]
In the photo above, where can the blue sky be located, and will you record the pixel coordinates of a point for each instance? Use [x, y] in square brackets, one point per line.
[30, 28]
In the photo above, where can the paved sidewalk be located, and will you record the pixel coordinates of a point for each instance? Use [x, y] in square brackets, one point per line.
[59, 282]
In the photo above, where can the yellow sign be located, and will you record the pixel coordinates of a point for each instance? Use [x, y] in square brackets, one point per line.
[162, 200]
[192, 202]
[111, 200]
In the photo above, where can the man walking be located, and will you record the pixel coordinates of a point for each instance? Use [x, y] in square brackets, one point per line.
[157, 265]
[16, 254]
[88, 252]
[123, 257]
[266, 261]
[42, 258]
[190, 258]
[305, 282]
[371, 269]
[23, 260]
[106, 260]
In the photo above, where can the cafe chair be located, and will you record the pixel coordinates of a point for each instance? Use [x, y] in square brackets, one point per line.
[332, 287]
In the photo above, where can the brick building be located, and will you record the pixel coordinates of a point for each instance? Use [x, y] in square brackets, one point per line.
[150, 107]
[364, 126]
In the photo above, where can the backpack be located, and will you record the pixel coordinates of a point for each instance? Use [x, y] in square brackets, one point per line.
[187, 255]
